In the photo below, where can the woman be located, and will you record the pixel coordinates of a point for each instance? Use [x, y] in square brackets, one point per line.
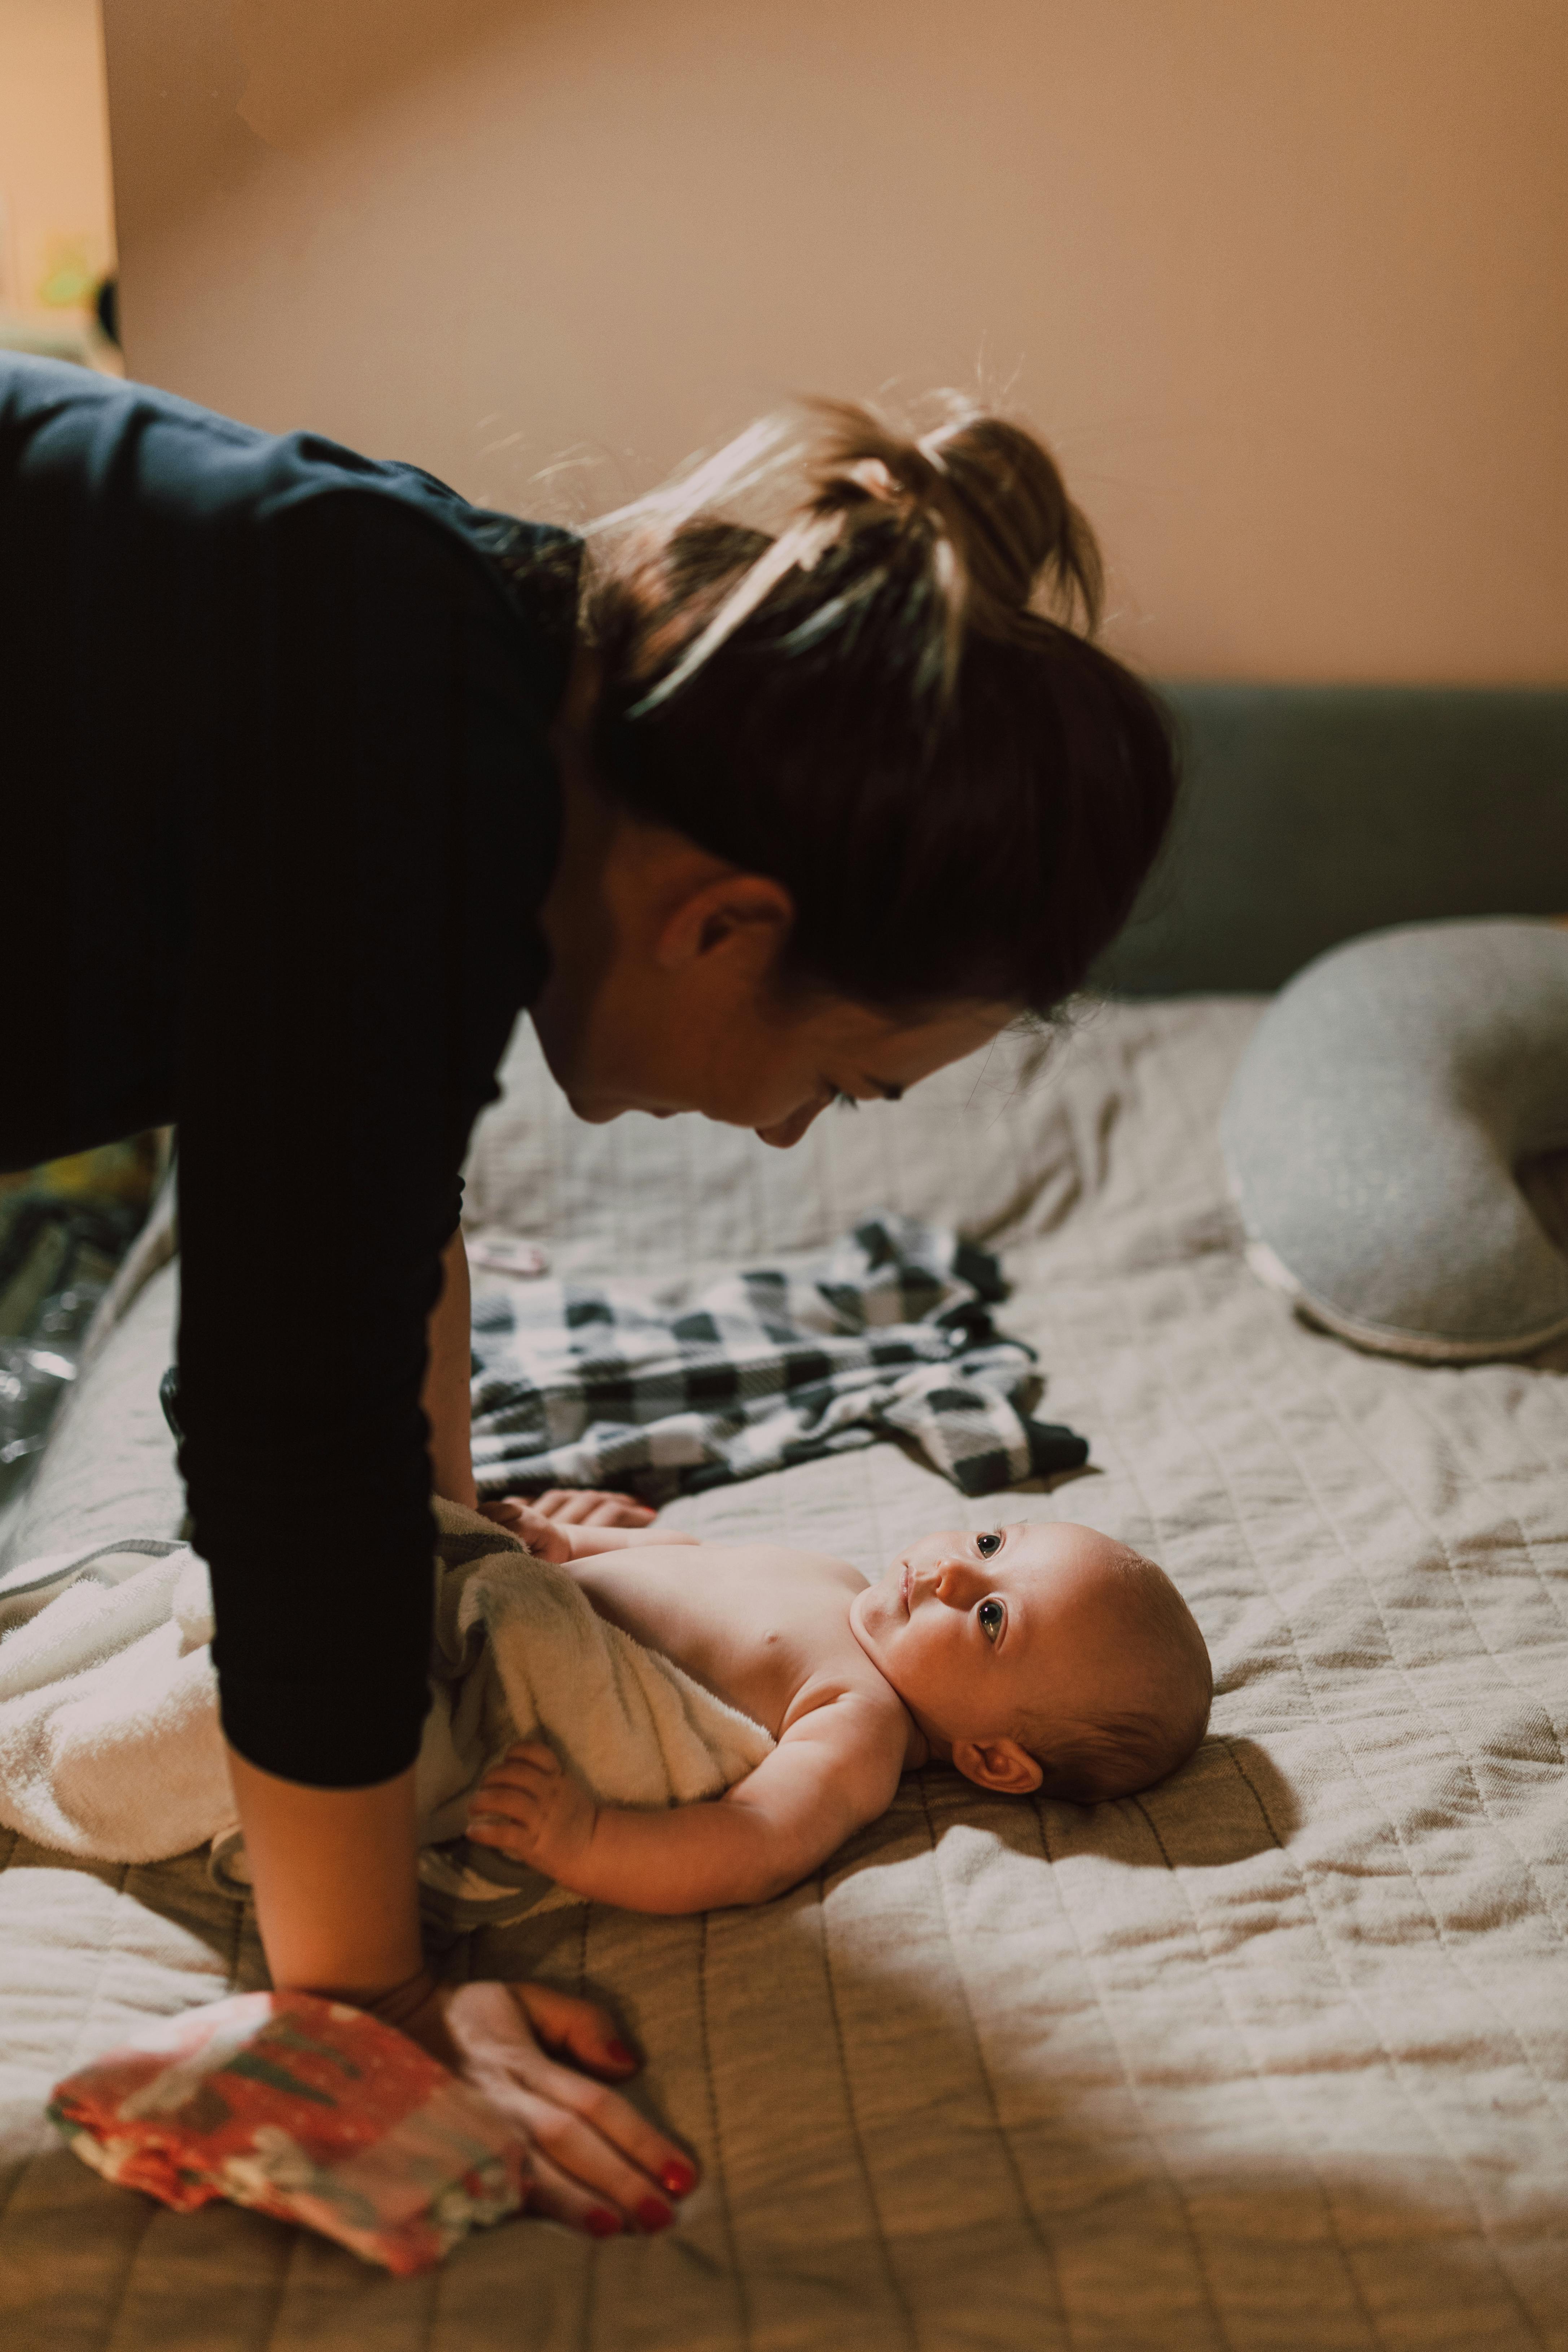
[324, 775]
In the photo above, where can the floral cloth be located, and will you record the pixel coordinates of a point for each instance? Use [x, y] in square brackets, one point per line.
[306, 2110]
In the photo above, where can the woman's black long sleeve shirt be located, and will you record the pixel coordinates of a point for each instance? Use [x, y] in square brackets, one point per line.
[280, 814]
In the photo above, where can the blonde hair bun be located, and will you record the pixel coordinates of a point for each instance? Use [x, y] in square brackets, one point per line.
[988, 489]
[970, 524]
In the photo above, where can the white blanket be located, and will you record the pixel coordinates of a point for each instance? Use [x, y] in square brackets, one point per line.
[110, 1748]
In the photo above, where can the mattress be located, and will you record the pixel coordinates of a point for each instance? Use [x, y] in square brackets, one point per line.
[1275, 2056]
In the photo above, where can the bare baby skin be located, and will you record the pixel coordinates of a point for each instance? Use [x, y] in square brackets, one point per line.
[967, 1637]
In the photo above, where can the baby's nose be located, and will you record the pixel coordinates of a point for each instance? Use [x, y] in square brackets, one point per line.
[960, 1583]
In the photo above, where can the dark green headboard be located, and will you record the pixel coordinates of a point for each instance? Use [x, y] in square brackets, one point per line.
[1314, 813]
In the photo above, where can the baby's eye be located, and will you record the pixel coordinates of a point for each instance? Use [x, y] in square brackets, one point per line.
[987, 1546]
[992, 1616]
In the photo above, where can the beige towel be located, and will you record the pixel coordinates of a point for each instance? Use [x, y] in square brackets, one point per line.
[109, 1743]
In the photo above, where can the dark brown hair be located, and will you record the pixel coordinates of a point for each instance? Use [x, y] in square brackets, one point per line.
[889, 702]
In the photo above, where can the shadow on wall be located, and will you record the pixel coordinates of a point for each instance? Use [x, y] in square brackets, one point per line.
[273, 76]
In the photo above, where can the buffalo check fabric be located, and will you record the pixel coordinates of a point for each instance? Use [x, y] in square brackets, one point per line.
[887, 1334]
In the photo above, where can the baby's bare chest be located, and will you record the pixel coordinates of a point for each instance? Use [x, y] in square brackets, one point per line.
[752, 1623]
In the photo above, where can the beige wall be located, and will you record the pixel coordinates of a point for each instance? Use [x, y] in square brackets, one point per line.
[55, 205]
[1283, 279]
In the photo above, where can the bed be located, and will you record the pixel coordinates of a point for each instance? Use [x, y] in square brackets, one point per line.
[1275, 2056]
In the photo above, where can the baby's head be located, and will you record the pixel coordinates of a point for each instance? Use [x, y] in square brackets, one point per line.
[1041, 1656]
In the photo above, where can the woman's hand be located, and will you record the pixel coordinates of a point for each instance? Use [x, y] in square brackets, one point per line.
[530, 1807]
[560, 1539]
[591, 1507]
[544, 1538]
[594, 2162]
[337, 1904]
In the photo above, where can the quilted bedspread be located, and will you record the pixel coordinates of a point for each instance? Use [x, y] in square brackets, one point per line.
[1270, 2058]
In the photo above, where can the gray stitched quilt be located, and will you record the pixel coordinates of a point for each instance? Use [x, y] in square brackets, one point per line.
[1272, 2059]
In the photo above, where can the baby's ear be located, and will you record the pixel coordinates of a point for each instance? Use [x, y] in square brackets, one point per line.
[997, 1764]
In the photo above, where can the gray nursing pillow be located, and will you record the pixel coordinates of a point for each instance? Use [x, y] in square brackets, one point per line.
[1376, 1129]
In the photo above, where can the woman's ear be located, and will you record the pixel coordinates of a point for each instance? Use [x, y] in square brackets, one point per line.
[748, 913]
[997, 1764]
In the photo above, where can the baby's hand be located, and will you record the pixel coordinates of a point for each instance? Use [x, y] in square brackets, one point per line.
[531, 1808]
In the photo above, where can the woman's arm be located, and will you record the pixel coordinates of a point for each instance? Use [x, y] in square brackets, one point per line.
[332, 1871]
[333, 1876]
[835, 1770]
[446, 1393]
[447, 1399]
[348, 987]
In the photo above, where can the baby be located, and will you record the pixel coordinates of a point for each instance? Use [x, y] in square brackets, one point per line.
[1031, 1656]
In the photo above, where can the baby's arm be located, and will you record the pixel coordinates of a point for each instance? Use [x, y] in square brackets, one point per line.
[834, 1770]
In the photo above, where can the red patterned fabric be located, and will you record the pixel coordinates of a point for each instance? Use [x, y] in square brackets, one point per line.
[303, 2109]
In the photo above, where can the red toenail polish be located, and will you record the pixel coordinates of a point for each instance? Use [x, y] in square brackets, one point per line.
[602, 2222]
[653, 2215]
[679, 2178]
[619, 2055]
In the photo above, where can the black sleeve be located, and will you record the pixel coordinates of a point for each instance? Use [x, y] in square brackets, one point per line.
[351, 980]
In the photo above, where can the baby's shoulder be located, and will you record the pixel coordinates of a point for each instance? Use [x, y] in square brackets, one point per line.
[859, 1731]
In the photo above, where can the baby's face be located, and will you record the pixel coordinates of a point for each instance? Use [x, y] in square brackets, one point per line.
[976, 1631]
